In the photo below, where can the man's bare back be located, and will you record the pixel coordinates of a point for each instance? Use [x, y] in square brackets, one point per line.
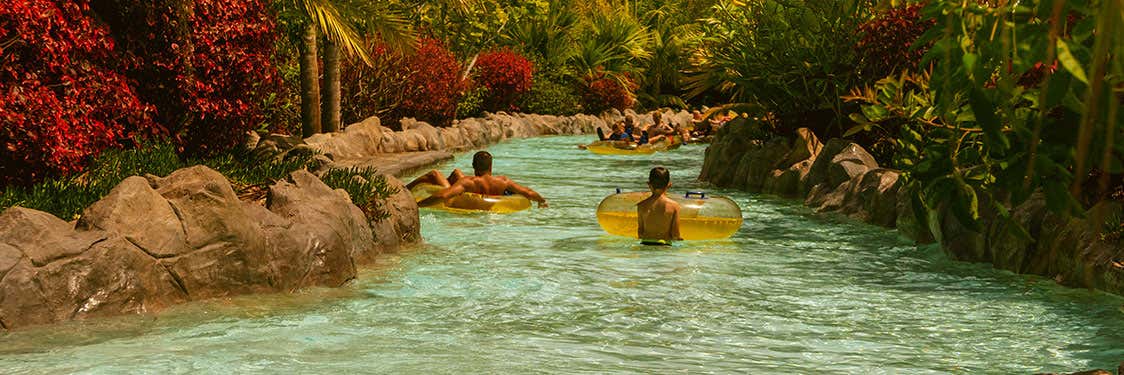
[658, 218]
[487, 185]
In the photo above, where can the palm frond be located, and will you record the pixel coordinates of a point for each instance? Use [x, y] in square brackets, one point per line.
[551, 39]
[327, 18]
[389, 25]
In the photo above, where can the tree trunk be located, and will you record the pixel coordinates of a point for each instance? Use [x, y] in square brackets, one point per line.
[330, 108]
[310, 82]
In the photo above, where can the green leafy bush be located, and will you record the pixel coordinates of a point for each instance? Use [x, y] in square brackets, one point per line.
[791, 57]
[366, 186]
[549, 97]
[471, 104]
[373, 90]
[979, 136]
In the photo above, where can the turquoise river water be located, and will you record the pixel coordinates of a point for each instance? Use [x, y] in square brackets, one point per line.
[545, 290]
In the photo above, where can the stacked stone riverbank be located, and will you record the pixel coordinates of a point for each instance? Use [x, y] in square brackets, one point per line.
[158, 241]
[419, 145]
[840, 176]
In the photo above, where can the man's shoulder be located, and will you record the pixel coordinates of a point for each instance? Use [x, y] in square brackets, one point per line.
[670, 203]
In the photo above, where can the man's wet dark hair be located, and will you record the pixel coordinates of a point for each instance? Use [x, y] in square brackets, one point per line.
[482, 162]
[659, 177]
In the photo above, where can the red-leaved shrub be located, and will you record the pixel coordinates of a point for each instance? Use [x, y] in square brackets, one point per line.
[206, 67]
[432, 85]
[604, 92]
[886, 42]
[62, 99]
[506, 75]
[234, 41]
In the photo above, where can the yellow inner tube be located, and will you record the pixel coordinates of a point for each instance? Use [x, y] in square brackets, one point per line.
[617, 148]
[472, 202]
[700, 218]
[610, 148]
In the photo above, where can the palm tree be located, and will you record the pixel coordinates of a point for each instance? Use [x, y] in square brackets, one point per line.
[323, 17]
[675, 37]
[376, 18]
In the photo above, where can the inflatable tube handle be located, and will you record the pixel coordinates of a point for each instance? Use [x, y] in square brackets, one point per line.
[618, 190]
[699, 194]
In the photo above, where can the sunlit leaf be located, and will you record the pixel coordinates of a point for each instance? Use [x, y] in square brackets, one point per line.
[1065, 56]
[966, 206]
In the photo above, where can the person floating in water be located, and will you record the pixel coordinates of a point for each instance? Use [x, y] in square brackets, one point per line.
[482, 182]
[658, 215]
[622, 136]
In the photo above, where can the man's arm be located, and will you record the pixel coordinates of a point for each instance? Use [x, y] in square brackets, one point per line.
[443, 194]
[675, 225]
[526, 192]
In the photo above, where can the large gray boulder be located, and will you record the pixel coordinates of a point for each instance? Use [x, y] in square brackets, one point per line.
[432, 135]
[724, 155]
[794, 166]
[42, 237]
[135, 210]
[805, 147]
[412, 140]
[331, 231]
[786, 182]
[355, 141]
[1012, 251]
[957, 238]
[874, 198]
[474, 132]
[587, 124]
[493, 130]
[838, 162]
[50, 272]
[402, 227]
[154, 241]
[226, 253]
[455, 139]
[757, 164]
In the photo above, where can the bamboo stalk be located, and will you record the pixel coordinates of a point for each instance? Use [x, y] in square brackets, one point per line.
[1051, 54]
[1105, 31]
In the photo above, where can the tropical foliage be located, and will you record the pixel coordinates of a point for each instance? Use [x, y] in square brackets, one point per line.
[1022, 98]
[549, 97]
[792, 58]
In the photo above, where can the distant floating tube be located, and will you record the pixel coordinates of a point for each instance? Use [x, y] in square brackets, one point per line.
[472, 202]
[701, 216]
[612, 148]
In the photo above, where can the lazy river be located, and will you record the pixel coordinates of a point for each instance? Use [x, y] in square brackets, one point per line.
[546, 290]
